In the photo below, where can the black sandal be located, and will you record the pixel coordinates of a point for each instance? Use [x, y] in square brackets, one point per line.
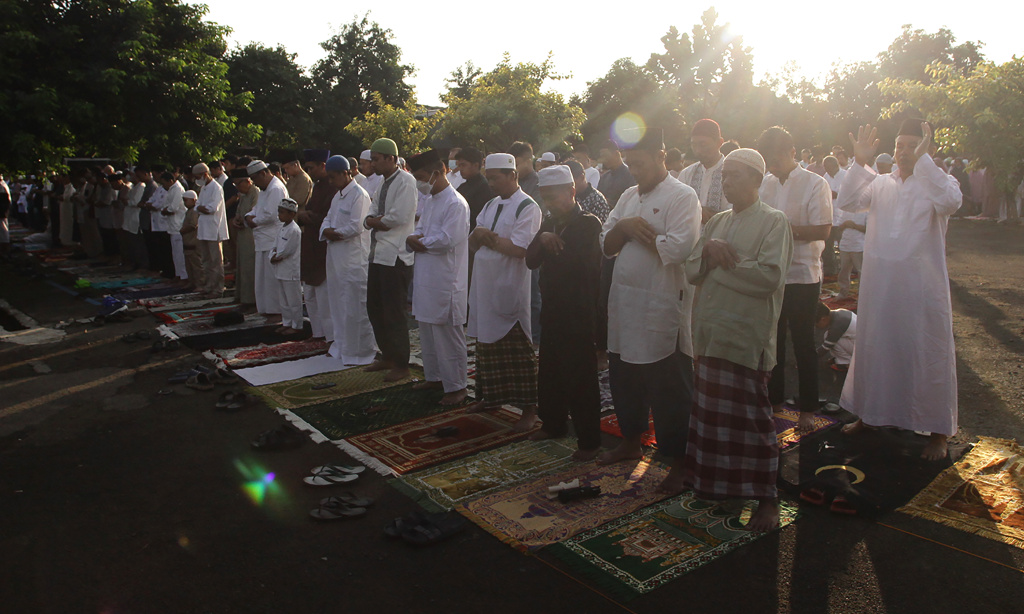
[435, 529]
[284, 437]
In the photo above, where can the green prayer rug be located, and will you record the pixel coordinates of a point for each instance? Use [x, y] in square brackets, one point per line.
[445, 486]
[640, 551]
[334, 385]
[371, 411]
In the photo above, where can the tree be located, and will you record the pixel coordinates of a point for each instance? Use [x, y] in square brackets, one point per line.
[507, 105]
[281, 93]
[979, 115]
[361, 60]
[913, 50]
[127, 79]
[626, 87]
[461, 82]
[408, 126]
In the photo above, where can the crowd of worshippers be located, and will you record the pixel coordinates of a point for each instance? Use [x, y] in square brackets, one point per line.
[683, 280]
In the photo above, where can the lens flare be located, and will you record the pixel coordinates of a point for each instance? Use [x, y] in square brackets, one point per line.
[258, 484]
[628, 129]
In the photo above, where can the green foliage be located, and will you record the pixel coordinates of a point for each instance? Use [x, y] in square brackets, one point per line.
[128, 79]
[508, 104]
[460, 82]
[361, 62]
[281, 94]
[407, 125]
[913, 50]
[979, 115]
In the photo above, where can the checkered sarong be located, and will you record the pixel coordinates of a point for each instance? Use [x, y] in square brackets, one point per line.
[506, 371]
[732, 450]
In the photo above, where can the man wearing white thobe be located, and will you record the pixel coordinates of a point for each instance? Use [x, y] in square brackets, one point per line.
[903, 371]
[213, 229]
[368, 178]
[264, 221]
[348, 251]
[441, 279]
[173, 213]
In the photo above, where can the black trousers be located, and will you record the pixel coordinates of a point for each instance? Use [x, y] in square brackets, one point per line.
[662, 389]
[55, 223]
[798, 307]
[158, 246]
[387, 299]
[567, 386]
[110, 244]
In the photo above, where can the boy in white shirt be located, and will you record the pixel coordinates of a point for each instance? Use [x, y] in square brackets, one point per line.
[285, 260]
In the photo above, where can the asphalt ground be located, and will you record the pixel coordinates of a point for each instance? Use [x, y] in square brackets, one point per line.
[114, 499]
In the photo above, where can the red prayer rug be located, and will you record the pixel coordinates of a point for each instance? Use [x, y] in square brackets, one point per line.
[434, 439]
[263, 354]
[785, 427]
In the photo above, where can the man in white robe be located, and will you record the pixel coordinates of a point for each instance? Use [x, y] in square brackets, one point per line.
[441, 278]
[903, 371]
[348, 251]
[264, 221]
[213, 229]
[173, 212]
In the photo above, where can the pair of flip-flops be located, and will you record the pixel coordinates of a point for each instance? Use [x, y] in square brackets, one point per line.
[342, 506]
[329, 475]
[424, 529]
[183, 376]
[234, 401]
[139, 335]
[284, 437]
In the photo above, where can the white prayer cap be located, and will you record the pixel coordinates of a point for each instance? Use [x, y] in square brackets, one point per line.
[200, 168]
[547, 156]
[884, 159]
[749, 157]
[289, 204]
[365, 155]
[190, 194]
[558, 174]
[500, 161]
[256, 166]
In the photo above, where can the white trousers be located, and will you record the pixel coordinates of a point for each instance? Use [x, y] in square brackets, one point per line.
[266, 285]
[318, 305]
[848, 261]
[178, 255]
[289, 297]
[444, 354]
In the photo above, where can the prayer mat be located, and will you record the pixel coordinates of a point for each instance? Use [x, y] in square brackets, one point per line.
[112, 284]
[645, 549]
[204, 325]
[876, 471]
[263, 354]
[525, 518]
[451, 484]
[982, 494]
[229, 337]
[429, 441]
[848, 303]
[180, 315]
[348, 383]
[159, 290]
[785, 427]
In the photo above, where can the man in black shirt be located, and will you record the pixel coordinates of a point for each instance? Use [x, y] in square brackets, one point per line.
[616, 178]
[474, 187]
[567, 251]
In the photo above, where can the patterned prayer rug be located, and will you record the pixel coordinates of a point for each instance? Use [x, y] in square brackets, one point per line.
[425, 442]
[525, 518]
[448, 485]
[350, 382]
[983, 493]
[181, 315]
[263, 354]
[785, 427]
[640, 551]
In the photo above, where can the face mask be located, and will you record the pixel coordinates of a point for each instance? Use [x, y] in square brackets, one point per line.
[201, 182]
[425, 186]
[453, 164]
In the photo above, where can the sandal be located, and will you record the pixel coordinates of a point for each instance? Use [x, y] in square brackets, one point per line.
[396, 527]
[200, 381]
[841, 506]
[336, 510]
[814, 496]
[242, 400]
[330, 477]
[224, 377]
[225, 400]
[348, 498]
[284, 437]
[435, 529]
[344, 468]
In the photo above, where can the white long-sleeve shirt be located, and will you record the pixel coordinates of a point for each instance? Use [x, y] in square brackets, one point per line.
[130, 222]
[213, 226]
[395, 201]
[649, 303]
[806, 199]
[265, 215]
[173, 202]
[287, 246]
[441, 278]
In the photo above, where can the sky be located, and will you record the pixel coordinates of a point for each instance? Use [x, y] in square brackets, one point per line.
[585, 38]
